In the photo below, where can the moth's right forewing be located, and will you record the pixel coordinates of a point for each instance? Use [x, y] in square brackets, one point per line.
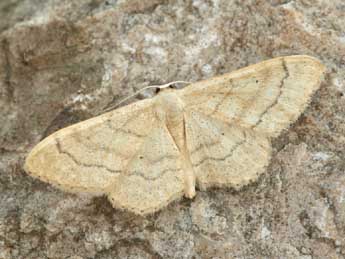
[302, 78]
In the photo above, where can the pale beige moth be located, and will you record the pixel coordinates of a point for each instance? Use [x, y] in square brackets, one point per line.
[215, 132]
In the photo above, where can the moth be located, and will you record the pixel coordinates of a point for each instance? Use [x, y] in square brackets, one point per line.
[214, 132]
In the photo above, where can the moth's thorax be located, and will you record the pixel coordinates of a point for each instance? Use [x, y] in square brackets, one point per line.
[170, 109]
[169, 106]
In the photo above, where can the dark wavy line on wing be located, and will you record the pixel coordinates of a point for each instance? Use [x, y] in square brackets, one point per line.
[275, 102]
[159, 159]
[203, 145]
[125, 131]
[153, 178]
[211, 143]
[76, 161]
[232, 150]
[226, 95]
[237, 117]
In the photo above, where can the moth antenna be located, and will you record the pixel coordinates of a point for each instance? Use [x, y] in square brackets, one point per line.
[142, 89]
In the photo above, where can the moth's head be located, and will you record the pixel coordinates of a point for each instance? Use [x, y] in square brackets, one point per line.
[169, 87]
[165, 89]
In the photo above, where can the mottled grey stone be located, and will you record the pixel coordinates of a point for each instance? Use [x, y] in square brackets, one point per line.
[64, 61]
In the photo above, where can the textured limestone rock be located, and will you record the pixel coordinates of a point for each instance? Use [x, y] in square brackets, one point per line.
[64, 61]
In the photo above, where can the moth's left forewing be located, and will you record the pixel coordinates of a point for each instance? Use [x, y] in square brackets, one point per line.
[90, 155]
[266, 97]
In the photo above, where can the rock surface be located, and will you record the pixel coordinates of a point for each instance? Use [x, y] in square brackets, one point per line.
[64, 61]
